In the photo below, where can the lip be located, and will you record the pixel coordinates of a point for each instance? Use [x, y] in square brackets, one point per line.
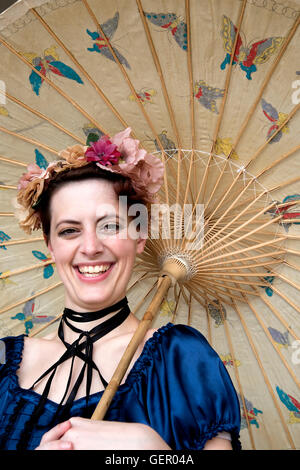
[93, 263]
[92, 280]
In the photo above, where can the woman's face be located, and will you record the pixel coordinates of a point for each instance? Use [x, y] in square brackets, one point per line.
[89, 243]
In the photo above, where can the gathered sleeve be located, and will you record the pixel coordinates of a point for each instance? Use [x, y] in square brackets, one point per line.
[187, 391]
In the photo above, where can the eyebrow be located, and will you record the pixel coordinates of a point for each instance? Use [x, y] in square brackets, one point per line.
[76, 222]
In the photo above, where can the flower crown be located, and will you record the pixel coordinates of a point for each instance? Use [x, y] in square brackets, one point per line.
[120, 154]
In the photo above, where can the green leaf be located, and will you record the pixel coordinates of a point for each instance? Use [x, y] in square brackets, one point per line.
[92, 137]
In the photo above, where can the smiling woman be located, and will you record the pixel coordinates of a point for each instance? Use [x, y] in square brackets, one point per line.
[93, 261]
[49, 386]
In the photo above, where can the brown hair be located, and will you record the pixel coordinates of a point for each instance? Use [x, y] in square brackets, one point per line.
[121, 184]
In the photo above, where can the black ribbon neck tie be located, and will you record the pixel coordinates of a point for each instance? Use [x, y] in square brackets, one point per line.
[82, 347]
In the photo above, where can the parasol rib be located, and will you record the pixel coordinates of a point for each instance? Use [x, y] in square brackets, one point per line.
[265, 376]
[36, 331]
[159, 71]
[256, 102]
[165, 94]
[241, 237]
[269, 335]
[295, 379]
[224, 100]
[13, 162]
[252, 159]
[55, 87]
[124, 73]
[176, 307]
[260, 364]
[82, 69]
[266, 81]
[43, 117]
[279, 317]
[248, 248]
[21, 241]
[7, 186]
[236, 372]
[24, 270]
[255, 178]
[28, 140]
[37, 294]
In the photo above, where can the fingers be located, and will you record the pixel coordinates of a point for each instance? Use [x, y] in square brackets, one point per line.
[51, 439]
[56, 445]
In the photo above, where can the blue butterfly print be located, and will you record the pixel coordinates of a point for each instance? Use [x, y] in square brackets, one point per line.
[173, 23]
[29, 318]
[268, 290]
[100, 45]
[48, 270]
[48, 64]
[40, 160]
[4, 238]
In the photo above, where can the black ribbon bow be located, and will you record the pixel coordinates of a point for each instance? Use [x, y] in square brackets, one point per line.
[82, 347]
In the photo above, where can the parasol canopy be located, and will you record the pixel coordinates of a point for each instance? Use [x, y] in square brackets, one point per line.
[213, 88]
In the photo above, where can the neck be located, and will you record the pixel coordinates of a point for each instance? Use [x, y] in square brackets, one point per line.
[74, 320]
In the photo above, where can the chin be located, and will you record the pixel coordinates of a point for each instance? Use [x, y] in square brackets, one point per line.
[95, 302]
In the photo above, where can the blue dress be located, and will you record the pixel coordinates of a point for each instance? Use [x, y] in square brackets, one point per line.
[178, 386]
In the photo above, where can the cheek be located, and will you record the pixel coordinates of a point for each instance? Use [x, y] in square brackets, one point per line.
[60, 253]
[124, 249]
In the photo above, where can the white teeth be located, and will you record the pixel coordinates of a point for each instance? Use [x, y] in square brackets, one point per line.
[94, 269]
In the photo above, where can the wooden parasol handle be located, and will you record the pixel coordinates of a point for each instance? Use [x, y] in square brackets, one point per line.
[109, 393]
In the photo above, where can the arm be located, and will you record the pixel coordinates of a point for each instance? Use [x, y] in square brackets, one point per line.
[218, 443]
[85, 434]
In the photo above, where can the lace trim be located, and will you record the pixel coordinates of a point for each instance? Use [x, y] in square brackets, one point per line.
[214, 430]
[146, 357]
[15, 346]
[14, 352]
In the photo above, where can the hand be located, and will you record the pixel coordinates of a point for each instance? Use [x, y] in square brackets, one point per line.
[86, 434]
[51, 440]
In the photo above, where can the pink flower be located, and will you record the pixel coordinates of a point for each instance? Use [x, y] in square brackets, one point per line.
[128, 147]
[145, 170]
[33, 172]
[119, 138]
[104, 152]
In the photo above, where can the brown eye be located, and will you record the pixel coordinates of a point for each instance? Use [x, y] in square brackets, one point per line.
[111, 226]
[67, 231]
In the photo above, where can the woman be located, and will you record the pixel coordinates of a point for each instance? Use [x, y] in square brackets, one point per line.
[49, 387]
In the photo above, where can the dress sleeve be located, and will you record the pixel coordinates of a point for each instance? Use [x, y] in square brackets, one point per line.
[192, 397]
[3, 357]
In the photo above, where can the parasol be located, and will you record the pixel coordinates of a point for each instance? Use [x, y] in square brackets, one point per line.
[212, 88]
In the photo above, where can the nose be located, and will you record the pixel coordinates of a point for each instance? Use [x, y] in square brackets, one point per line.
[91, 245]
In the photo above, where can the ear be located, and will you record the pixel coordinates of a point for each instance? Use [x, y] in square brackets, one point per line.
[141, 242]
[49, 246]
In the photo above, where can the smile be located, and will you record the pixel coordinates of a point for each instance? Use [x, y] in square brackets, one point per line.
[94, 272]
[101, 268]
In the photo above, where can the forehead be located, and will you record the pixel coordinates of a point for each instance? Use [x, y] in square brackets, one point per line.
[84, 197]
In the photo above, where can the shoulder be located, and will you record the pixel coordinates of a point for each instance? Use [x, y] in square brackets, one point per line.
[11, 350]
[181, 332]
[177, 351]
[191, 384]
[182, 339]
[179, 346]
[37, 355]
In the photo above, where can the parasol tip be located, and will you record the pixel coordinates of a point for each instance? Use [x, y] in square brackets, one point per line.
[177, 268]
